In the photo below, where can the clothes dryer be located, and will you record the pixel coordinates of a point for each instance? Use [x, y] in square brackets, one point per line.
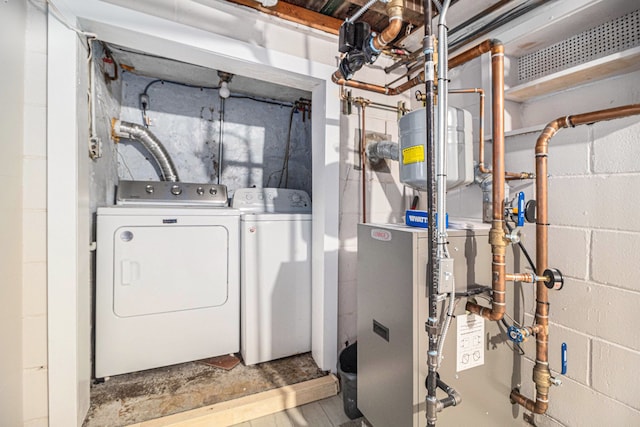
[167, 285]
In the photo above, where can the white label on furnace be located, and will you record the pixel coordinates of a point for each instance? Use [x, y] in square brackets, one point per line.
[470, 351]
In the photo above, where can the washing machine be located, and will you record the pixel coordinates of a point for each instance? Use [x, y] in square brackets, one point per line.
[167, 277]
[275, 301]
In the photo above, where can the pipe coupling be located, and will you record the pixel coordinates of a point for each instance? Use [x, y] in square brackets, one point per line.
[432, 410]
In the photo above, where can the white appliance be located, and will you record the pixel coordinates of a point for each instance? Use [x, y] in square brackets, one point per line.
[167, 281]
[275, 302]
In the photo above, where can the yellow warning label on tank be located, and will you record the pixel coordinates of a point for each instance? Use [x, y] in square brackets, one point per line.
[413, 154]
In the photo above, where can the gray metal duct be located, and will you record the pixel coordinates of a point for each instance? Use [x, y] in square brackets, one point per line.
[376, 151]
[151, 143]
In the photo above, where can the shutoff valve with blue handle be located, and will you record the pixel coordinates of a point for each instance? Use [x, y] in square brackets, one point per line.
[517, 213]
[515, 334]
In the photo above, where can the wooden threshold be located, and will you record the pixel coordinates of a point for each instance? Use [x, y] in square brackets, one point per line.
[250, 407]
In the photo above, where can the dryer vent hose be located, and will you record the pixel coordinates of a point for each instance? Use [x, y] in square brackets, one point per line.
[140, 133]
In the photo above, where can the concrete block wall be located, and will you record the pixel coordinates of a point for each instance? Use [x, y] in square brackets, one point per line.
[34, 230]
[12, 44]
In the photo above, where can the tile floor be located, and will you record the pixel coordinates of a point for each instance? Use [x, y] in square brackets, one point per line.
[323, 413]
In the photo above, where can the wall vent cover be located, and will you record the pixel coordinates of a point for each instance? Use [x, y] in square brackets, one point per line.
[611, 37]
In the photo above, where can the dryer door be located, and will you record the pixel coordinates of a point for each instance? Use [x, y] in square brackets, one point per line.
[169, 268]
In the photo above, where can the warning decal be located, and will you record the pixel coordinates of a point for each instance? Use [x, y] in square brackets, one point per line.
[413, 154]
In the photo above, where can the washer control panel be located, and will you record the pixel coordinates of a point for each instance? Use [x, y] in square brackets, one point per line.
[276, 200]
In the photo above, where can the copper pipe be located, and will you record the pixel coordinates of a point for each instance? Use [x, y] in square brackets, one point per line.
[394, 12]
[520, 277]
[456, 61]
[497, 235]
[541, 374]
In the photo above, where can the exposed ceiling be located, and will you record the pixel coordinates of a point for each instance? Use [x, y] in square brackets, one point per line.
[467, 20]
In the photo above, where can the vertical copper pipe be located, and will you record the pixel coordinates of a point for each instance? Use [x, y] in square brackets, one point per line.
[497, 234]
[541, 373]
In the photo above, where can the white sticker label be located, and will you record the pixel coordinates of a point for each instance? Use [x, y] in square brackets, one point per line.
[379, 234]
[470, 351]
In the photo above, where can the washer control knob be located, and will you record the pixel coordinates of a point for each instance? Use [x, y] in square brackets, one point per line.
[176, 190]
[295, 197]
[213, 191]
[200, 191]
[149, 189]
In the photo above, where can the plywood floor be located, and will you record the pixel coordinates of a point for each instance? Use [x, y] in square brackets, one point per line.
[140, 396]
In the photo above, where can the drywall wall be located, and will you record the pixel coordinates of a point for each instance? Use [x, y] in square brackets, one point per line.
[187, 121]
[12, 43]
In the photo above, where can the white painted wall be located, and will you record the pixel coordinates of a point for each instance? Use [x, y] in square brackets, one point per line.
[12, 43]
[34, 292]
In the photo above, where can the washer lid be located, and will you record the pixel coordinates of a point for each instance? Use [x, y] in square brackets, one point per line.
[166, 269]
[136, 210]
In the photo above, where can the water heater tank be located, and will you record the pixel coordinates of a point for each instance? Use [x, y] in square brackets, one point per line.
[413, 169]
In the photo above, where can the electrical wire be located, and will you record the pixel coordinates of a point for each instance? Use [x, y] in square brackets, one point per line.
[522, 248]
[285, 162]
[233, 95]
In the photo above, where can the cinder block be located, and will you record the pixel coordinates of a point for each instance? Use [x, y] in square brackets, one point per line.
[615, 372]
[34, 393]
[36, 35]
[347, 328]
[38, 422]
[350, 197]
[574, 404]
[34, 236]
[595, 201]
[577, 351]
[35, 130]
[34, 289]
[597, 310]
[347, 264]
[34, 341]
[568, 251]
[34, 171]
[35, 79]
[348, 227]
[616, 146]
[614, 258]
[347, 297]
